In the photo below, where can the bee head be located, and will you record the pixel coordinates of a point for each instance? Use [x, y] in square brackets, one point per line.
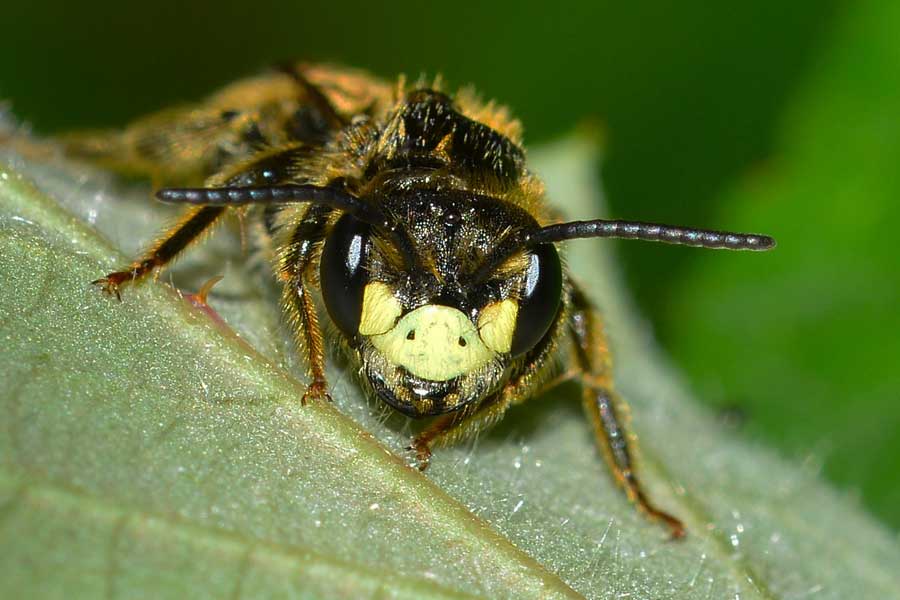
[440, 292]
[435, 325]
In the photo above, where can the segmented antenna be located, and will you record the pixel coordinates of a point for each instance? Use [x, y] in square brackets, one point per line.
[275, 194]
[652, 232]
[289, 193]
[631, 230]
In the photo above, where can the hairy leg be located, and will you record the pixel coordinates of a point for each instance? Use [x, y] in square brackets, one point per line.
[294, 270]
[265, 168]
[189, 228]
[606, 411]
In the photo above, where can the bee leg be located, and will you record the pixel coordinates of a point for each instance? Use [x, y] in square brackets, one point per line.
[451, 428]
[606, 410]
[188, 229]
[536, 377]
[295, 270]
[271, 166]
[305, 324]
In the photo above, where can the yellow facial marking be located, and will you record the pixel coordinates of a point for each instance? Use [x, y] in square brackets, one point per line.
[496, 324]
[434, 342]
[380, 309]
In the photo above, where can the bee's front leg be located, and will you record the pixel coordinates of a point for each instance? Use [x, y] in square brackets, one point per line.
[294, 270]
[199, 220]
[451, 428]
[308, 333]
[192, 225]
[538, 375]
[607, 411]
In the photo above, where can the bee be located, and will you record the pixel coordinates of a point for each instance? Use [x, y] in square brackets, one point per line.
[408, 217]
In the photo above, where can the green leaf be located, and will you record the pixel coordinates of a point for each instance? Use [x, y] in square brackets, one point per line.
[807, 339]
[149, 451]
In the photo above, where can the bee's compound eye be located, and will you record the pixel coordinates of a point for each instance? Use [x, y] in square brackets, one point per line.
[540, 298]
[343, 274]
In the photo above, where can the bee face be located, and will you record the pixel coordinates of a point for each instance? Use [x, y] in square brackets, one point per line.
[435, 330]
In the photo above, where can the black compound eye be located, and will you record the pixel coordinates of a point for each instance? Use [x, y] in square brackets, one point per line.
[342, 272]
[540, 298]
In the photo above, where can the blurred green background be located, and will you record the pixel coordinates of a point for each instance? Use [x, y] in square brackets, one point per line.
[769, 116]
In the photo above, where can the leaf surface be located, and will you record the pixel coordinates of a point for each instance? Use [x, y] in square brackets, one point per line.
[148, 450]
[813, 355]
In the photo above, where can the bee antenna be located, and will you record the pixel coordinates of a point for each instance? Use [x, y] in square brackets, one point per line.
[632, 230]
[289, 193]
[651, 232]
[276, 194]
